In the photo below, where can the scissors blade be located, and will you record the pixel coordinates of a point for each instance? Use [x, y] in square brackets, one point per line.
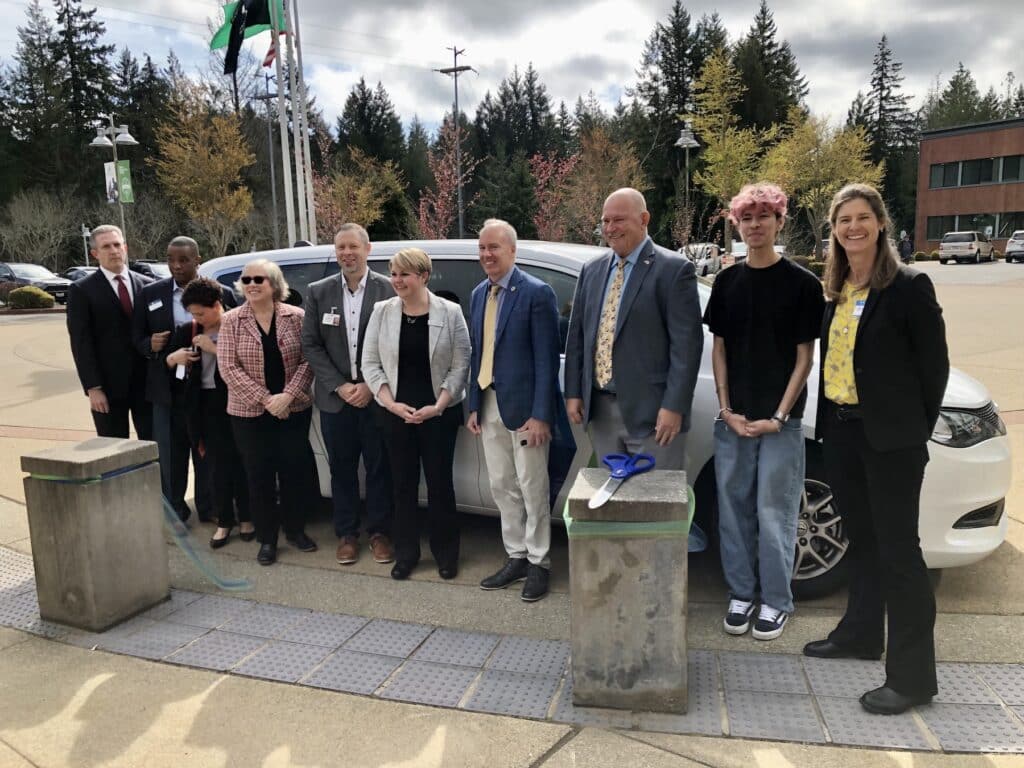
[605, 492]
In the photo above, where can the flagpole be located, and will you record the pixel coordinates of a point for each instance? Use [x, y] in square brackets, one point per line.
[300, 172]
[304, 118]
[282, 118]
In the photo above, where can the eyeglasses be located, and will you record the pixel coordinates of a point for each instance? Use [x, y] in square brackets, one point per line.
[258, 279]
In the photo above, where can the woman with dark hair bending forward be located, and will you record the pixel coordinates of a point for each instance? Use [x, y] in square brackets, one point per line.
[883, 372]
[259, 353]
[416, 362]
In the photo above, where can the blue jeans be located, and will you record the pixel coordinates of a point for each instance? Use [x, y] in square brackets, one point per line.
[760, 482]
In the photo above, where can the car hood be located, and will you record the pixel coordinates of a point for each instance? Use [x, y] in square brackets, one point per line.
[964, 392]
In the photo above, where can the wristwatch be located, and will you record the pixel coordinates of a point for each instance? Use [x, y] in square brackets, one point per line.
[780, 417]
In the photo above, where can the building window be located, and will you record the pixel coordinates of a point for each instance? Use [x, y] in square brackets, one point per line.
[976, 171]
[977, 222]
[1013, 168]
[951, 174]
[940, 225]
[1010, 223]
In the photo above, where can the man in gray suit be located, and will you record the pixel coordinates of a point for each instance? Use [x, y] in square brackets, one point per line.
[635, 340]
[337, 311]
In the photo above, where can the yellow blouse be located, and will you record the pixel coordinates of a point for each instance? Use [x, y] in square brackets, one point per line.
[840, 384]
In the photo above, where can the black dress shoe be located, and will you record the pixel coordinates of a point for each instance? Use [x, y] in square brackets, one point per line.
[218, 543]
[267, 554]
[400, 571]
[536, 585]
[514, 570]
[448, 572]
[886, 701]
[826, 649]
[247, 535]
[184, 513]
[302, 542]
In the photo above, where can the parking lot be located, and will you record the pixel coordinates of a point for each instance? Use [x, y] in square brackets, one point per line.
[41, 402]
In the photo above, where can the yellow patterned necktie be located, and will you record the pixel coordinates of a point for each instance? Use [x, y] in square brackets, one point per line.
[486, 377]
[606, 330]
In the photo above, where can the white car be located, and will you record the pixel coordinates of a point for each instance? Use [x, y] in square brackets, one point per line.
[1015, 247]
[966, 247]
[965, 484]
[706, 257]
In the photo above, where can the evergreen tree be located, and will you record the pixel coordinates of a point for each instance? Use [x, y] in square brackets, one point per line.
[959, 103]
[891, 125]
[564, 141]
[587, 116]
[769, 73]
[519, 118]
[506, 191]
[370, 124]
[709, 36]
[991, 106]
[415, 165]
[858, 115]
[1016, 107]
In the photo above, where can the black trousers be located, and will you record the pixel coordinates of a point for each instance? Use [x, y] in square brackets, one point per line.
[170, 430]
[223, 463]
[276, 455]
[115, 423]
[432, 446]
[878, 494]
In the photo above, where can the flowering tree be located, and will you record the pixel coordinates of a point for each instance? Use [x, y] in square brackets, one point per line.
[438, 204]
[550, 174]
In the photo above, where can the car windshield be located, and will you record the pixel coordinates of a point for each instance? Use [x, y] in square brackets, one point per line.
[1018, 235]
[161, 269]
[31, 271]
[958, 237]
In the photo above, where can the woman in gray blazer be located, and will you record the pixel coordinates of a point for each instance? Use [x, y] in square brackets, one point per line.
[416, 361]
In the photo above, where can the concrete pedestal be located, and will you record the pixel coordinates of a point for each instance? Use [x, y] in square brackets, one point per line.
[627, 573]
[95, 520]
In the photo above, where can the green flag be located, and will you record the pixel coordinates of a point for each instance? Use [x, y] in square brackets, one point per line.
[223, 35]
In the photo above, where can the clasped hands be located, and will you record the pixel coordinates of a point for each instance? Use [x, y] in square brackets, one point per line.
[743, 427]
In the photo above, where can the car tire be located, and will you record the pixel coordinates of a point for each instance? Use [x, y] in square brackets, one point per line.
[820, 567]
[977, 257]
[704, 271]
[943, 261]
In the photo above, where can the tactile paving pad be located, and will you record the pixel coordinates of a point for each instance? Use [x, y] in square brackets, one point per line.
[210, 611]
[283, 661]
[1007, 680]
[778, 716]
[958, 684]
[353, 672]
[450, 646]
[389, 638]
[16, 610]
[156, 642]
[762, 672]
[703, 708]
[974, 728]
[513, 693]
[266, 620]
[849, 723]
[179, 599]
[217, 650]
[327, 629]
[84, 639]
[599, 717]
[16, 574]
[844, 678]
[424, 682]
[530, 656]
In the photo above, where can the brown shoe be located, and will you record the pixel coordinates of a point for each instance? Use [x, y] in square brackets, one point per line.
[348, 550]
[380, 546]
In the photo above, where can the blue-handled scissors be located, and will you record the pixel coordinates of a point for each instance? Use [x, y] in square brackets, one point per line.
[622, 468]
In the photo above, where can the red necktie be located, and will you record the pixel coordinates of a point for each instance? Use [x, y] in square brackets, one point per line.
[122, 294]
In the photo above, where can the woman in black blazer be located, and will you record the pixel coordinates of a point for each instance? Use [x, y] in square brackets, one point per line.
[193, 357]
[883, 371]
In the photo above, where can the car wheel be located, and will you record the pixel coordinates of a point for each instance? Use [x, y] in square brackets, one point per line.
[704, 272]
[977, 257]
[942, 261]
[819, 568]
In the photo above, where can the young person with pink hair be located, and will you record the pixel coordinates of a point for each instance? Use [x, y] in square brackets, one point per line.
[765, 315]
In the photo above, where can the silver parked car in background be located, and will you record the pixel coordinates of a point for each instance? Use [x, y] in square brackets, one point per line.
[966, 482]
[966, 247]
[1015, 247]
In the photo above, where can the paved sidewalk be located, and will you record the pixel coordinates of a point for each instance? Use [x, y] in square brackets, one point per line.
[782, 697]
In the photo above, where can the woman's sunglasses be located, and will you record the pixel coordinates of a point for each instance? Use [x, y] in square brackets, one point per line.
[258, 279]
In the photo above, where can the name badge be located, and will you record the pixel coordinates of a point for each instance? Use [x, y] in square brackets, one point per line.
[858, 308]
[332, 318]
[155, 304]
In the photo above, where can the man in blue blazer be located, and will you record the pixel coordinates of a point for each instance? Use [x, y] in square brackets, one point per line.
[513, 396]
[157, 313]
[635, 340]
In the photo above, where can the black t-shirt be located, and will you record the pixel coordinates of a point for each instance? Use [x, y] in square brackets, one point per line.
[414, 385]
[273, 363]
[762, 315]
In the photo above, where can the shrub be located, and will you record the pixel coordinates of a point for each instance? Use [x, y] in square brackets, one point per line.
[6, 287]
[817, 267]
[29, 297]
[803, 261]
[935, 255]
[922, 256]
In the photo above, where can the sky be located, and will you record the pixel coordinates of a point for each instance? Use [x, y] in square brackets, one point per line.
[575, 45]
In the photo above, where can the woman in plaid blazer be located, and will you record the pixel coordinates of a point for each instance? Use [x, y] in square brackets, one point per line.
[259, 354]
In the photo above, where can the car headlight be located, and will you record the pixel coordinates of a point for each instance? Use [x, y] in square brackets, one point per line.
[962, 429]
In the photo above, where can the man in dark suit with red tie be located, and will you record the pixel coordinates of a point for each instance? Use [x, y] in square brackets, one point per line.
[100, 307]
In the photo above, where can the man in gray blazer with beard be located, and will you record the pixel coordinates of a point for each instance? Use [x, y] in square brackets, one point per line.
[338, 309]
[635, 341]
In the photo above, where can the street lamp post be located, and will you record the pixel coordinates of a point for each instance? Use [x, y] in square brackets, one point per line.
[110, 136]
[686, 141]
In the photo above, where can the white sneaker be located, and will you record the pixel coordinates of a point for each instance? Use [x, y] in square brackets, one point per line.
[737, 620]
[770, 623]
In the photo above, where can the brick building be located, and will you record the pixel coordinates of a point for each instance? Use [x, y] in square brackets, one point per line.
[970, 178]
